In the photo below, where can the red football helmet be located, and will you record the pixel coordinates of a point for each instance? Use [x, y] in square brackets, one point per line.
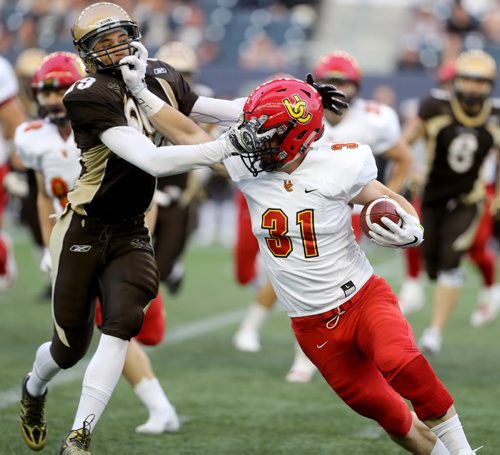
[338, 65]
[295, 109]
[446, 72]
[58, 70]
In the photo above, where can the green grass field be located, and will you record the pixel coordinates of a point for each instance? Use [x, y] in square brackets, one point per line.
[232, 402]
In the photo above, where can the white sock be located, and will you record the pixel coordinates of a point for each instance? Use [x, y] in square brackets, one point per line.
[101, 377]
[255, 317]
[152, 395]
[301, 362]
[44, 369]
[452, 434]
[440, 448]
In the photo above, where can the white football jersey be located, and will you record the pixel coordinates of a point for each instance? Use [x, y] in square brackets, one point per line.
[302, 221]
[41, 148]
[8, 90]
[367, 122]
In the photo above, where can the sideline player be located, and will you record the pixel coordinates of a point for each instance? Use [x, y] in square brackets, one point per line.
[48, 147]
[460, 129]
[345, 318]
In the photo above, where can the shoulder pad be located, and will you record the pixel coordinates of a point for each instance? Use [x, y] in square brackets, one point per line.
[99, 86]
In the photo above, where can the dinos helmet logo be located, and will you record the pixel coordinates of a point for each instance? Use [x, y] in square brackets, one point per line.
[297, 109]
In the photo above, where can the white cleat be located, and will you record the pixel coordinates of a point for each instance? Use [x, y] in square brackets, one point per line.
[300, 376]
[247, 341]
[411, 296]
[430, 341]
[161, 422]
[488, 307]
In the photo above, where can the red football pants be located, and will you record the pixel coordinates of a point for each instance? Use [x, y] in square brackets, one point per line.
[369, 357]
[246, 247]
[153, 326]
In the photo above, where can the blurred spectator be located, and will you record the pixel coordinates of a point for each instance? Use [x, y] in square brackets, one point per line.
[261, 52]
[491, 24]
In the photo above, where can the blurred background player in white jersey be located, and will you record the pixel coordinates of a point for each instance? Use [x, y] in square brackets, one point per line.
[47, 146]
[11, 115]
[368, 122]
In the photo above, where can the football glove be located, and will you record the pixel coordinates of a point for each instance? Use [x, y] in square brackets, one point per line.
[332, 99]
[16, 184]
[409, 235]
[245, 136]
[133, 68]
[46, 262]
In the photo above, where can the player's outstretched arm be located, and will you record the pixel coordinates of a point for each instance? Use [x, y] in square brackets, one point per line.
[410, 234]
[400, 155]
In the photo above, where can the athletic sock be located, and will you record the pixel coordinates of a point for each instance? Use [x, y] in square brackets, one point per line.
[440, 448]
[255, 317]
[44, 369]
[101, 377]
[152, 395]
[452, 434]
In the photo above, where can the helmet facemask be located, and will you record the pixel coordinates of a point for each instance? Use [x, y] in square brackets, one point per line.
[97, 57]
[270, 156]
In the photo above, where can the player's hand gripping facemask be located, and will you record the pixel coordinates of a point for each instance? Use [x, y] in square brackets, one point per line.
[133, 68]
[409, 235]
[332, 99]
[245, 136]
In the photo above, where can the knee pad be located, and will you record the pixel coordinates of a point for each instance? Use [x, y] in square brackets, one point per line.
[451, 277]
[418, 383]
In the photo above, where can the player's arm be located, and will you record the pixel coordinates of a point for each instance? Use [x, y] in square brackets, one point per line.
[137, 149]
[400, 155]
[413, 129]
[45, 208]
[375, 189]
[410, 234]
[11, 116]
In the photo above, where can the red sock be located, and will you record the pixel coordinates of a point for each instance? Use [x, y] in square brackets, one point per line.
[413, 262]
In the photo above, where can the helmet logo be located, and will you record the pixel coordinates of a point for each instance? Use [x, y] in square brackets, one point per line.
[106, 21]
[288, 185]
[297, 109]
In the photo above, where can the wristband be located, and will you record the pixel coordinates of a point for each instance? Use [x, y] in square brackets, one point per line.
[148, 102]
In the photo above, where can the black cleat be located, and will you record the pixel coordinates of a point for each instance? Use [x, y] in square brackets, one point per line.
[33, 424]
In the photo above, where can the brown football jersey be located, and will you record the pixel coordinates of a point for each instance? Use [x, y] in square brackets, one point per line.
[109, 187]
[457, 145]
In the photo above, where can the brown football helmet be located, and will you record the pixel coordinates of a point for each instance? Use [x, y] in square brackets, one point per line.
[95, 22]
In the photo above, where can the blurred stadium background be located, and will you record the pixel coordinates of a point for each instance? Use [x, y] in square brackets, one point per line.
[231, 402]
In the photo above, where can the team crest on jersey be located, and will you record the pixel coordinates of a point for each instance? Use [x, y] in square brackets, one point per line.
[288, 185]
[297, 109]
[114, 86]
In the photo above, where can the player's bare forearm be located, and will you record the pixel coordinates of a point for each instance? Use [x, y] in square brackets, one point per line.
[178, 128]
[45, 209]
[413, 130]
[375, 189]
[400, 154]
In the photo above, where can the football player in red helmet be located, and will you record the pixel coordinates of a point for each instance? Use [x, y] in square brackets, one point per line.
[339, 309]
[296, 126]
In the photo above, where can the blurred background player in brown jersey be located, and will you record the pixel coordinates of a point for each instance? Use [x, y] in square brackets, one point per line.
[460, 130]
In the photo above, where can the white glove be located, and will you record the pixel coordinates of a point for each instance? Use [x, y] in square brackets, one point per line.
[16, 184]
[133, 68]
[409, 235]
[245, 136]
[46, 262]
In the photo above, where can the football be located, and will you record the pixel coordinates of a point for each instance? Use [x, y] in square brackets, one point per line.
[375, 210]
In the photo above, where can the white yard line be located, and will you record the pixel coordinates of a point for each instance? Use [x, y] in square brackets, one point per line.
[185, 332]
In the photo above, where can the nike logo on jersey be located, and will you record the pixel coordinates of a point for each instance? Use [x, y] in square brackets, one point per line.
[310, 191]
[322, 345]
